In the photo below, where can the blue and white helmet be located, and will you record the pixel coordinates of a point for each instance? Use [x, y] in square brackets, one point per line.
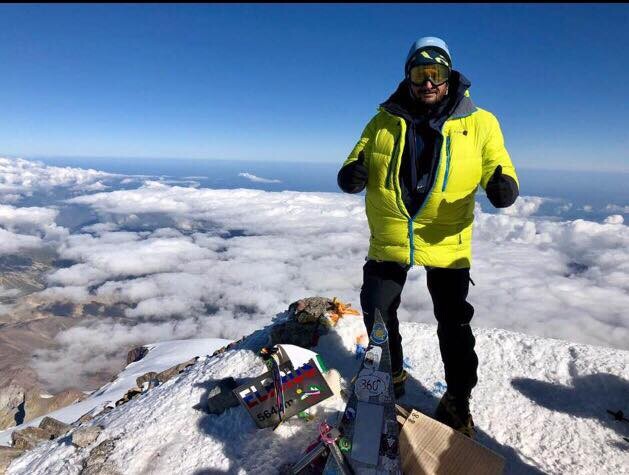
[428, 49]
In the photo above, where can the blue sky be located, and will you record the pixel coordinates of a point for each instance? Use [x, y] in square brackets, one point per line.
[299, 82]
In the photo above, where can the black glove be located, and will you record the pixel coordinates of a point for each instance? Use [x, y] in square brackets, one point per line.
[352, 178]
[502, 190]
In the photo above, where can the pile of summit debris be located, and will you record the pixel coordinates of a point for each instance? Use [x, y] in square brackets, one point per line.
[372, 434]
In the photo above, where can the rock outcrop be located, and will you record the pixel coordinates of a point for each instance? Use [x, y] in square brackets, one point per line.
[97, 462]
[136, 354]
[222, 397]
[7, 454]
[154, 379]
[130, 394]
[11, 406]
[146, 378]
[19, 405]
[86, 435]
[174, 371]
[54, 427]
[29, 438]
[35, 405]
[309, 318]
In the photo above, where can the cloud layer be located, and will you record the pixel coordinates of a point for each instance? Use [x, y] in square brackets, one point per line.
[28, 228]
[194, 262]
[257, 179]
[21, 178]
[266, 243]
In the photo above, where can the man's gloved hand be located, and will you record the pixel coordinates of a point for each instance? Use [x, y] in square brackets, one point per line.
[502, 190]
[352, 178]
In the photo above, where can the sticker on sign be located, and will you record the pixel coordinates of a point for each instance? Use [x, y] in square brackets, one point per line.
[371, 384]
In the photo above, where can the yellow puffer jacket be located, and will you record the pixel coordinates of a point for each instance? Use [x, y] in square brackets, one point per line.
[440, 234]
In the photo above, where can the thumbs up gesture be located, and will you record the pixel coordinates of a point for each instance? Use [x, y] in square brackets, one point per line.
[352, 178]
[497, 174]
[502, 190]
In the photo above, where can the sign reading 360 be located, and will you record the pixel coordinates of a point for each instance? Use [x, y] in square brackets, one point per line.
[369, 385]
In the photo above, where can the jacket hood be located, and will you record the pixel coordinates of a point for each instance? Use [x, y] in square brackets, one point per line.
[457, 104]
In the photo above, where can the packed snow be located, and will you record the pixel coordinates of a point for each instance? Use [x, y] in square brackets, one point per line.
[540, 403]
[161, 356]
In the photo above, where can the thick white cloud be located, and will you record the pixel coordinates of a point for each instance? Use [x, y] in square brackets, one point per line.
[614, 219]
[28, 228]
[33, 227]
[564, 279]
[11, 242]
[35, 221]
[185, 261]
[72, 293]
[524, 206]
[19, 178]
[12, 217]
[257, 179]
[123, 254]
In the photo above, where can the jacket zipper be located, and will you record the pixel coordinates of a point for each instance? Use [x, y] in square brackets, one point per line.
[410, 221]
[447, 174]
[410, 237]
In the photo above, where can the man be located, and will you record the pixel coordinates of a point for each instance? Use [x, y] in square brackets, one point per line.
[421, 159]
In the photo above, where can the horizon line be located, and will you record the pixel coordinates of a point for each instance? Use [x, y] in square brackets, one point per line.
[325, 162]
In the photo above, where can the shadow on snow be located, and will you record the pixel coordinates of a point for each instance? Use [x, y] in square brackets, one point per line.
[245, 446]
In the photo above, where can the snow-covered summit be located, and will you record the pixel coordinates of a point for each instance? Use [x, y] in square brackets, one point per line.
[541, 403]
[161, 356]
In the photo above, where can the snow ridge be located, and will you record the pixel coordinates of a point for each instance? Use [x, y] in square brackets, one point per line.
[541, 403]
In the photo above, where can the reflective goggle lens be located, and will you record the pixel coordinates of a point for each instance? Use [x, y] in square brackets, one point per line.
[436, 73]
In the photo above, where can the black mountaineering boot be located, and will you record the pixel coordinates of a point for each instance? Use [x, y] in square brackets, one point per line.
[399, 379]
[455, 412]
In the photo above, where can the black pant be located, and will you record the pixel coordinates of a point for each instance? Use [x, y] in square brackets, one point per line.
[382, 286]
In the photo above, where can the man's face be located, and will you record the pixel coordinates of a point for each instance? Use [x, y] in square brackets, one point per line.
[429, 94]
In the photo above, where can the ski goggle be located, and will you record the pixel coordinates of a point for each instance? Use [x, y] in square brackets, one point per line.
[436, 73]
